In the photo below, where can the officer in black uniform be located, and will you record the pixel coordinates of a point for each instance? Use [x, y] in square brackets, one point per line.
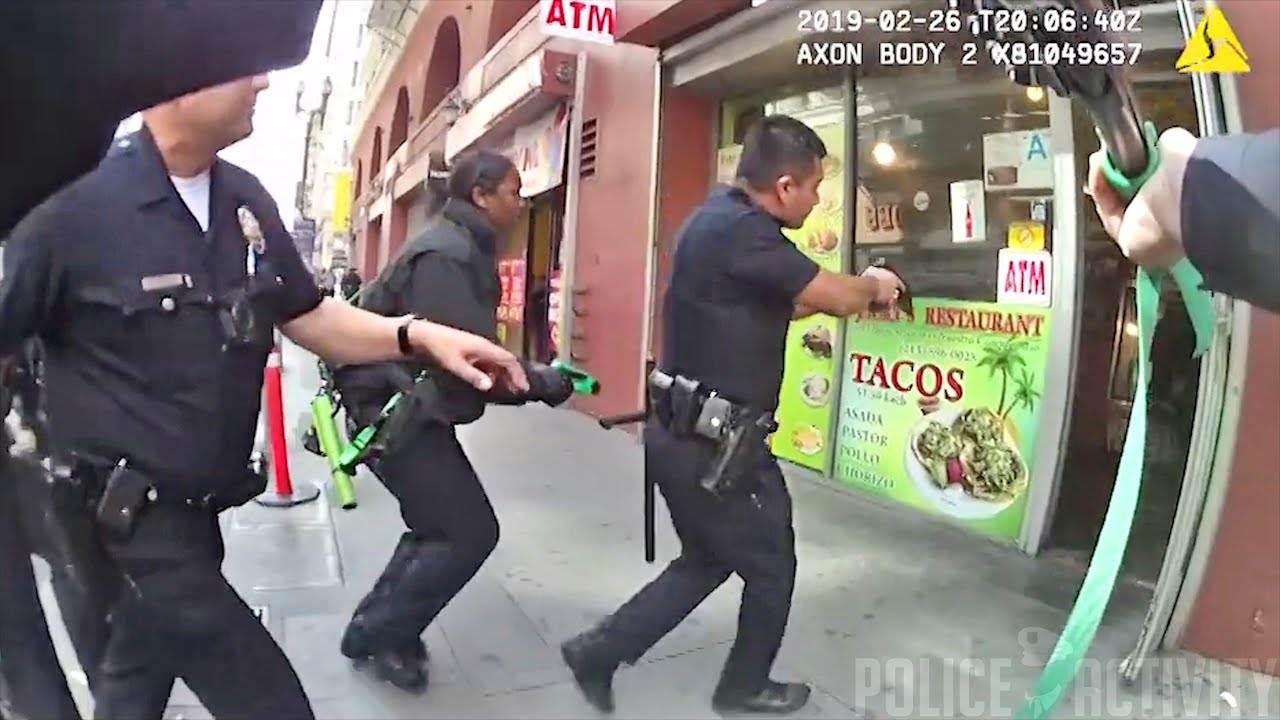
[154, 283]
[736, 283]
[448, 274]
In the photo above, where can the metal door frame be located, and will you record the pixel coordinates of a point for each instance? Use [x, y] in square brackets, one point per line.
[1212, 446]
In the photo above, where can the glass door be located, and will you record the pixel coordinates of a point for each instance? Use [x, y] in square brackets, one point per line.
[1187, 522]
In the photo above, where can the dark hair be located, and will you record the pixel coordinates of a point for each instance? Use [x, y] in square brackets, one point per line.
[483, 169]
[775, 146]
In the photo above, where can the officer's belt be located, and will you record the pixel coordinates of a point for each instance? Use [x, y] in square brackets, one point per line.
[92, 474]
[686, 406]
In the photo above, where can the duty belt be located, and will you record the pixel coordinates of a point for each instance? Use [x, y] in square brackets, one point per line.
[687, 408]
[88, 476]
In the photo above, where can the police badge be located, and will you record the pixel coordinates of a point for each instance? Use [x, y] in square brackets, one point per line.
[252, 231]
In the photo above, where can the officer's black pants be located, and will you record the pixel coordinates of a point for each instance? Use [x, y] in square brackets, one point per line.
[453, 531]
[32, 683]
[747, 531]
[178, 616]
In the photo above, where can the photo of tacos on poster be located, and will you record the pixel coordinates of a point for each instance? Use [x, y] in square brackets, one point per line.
[966, 461]
[940, 410]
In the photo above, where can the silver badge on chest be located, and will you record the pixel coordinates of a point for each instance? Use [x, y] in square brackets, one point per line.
[253, 237]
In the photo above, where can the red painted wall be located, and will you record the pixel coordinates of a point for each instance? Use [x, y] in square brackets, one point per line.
[1237, 614]
[687, 145]
[613, 225]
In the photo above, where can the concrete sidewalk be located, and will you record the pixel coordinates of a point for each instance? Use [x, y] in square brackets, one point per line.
[895, 615]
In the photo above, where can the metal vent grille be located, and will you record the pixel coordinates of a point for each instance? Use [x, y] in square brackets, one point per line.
[590, 138]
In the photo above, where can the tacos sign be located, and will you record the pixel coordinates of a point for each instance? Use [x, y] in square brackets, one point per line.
[940, 411]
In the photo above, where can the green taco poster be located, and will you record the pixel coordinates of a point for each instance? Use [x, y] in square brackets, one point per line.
[941, 411]
[807, 401]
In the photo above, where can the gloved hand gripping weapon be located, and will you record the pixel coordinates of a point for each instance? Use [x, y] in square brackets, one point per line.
[1131, 159]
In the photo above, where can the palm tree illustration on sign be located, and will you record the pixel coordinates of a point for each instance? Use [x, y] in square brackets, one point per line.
[1025, 393]
[1004, 357]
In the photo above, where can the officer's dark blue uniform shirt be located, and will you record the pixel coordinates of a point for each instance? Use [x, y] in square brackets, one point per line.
[143, 370]
[734, 281]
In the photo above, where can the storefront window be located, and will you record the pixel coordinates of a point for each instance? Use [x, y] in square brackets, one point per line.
[949, 172]
[807, 403]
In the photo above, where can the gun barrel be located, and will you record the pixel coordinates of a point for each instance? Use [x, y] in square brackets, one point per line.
[609, 423]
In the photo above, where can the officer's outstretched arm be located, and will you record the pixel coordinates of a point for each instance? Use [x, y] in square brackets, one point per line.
[844, 295]
[803, 311]
[346, 335]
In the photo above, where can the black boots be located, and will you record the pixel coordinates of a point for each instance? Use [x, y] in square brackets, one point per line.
[591, 671]
[405, 667]
[774, 698]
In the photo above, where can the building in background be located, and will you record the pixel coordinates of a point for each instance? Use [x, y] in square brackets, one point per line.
[304, 239]
[331, 107]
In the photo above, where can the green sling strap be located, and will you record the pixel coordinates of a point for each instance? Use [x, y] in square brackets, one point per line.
[1104, 567]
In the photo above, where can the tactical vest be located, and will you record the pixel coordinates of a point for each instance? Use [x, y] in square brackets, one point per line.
[385, 294]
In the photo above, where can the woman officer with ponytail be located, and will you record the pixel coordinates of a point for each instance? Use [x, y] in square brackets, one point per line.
[448, 273]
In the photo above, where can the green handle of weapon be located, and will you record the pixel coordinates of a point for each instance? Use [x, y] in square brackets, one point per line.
[583, 382]
[356, 451]
[323, 412]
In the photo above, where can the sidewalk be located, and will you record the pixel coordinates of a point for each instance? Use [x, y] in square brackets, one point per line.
[894, 615]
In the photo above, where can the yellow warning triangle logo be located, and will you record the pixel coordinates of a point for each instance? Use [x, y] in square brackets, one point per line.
[1214, 48]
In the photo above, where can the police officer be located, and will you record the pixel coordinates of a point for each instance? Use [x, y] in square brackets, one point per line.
[736, 284]
[154, 282]
[448, 273]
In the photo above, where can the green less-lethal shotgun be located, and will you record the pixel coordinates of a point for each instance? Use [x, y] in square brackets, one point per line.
[323, 415]
[355, 452]
[1132, 157]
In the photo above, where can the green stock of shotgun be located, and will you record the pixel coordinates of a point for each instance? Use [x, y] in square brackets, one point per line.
[359, 446]
[322, 418]
[1130, 160]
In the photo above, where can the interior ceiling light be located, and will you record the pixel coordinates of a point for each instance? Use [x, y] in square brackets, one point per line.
[883, 153]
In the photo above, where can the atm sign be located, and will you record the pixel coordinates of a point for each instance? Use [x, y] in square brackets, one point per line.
[1025, 278]
[589, 20]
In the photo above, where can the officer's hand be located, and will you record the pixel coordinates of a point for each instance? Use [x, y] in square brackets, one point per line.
[1149, 229]
[468, 356]
[888, 285]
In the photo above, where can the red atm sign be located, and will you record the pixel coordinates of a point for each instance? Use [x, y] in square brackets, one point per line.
[589, 20]
[1026, 278]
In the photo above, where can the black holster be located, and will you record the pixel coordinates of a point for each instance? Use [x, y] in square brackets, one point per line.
[690, 411]
[738, 451]
[71, 538]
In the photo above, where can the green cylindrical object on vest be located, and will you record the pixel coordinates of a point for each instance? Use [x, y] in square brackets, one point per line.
[327, 433]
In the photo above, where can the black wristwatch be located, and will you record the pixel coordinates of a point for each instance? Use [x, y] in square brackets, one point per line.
[402, 336]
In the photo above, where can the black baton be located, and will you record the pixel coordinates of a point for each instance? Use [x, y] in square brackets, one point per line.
[650, 488]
